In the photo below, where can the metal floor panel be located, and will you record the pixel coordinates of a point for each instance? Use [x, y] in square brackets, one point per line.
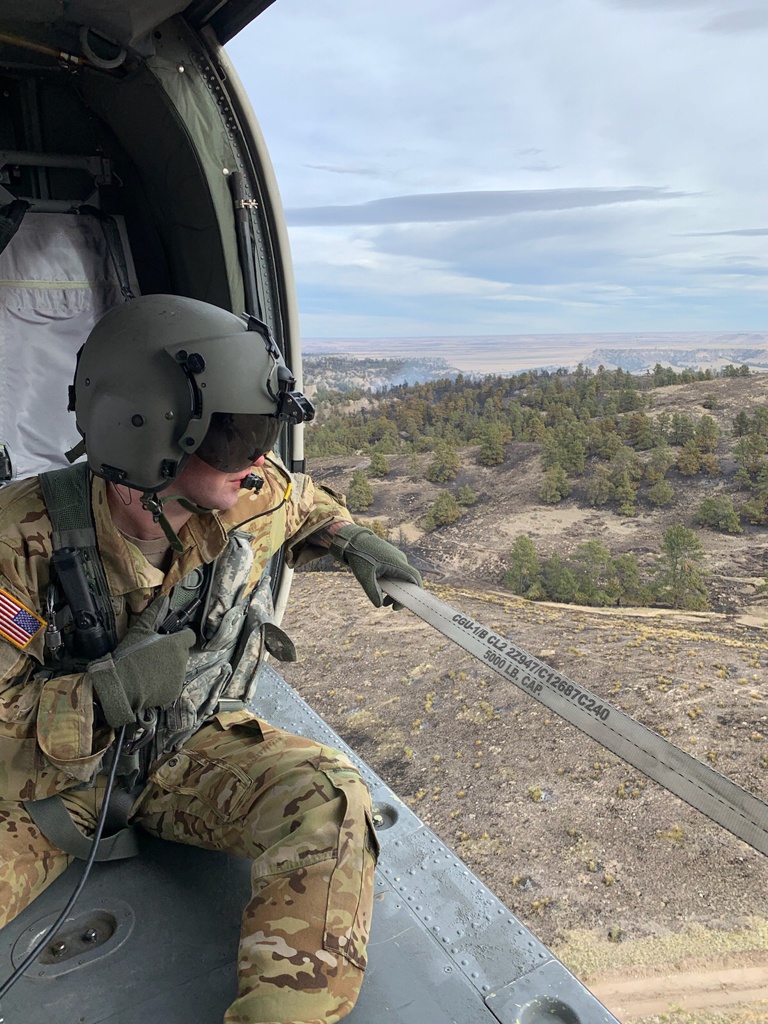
[443, 949]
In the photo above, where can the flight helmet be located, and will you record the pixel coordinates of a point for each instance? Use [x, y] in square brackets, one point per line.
[164, 376]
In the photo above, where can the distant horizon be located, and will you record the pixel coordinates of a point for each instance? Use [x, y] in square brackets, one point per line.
[495, 353]
[716, 334]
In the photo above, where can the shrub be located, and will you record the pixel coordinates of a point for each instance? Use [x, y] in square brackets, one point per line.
[443, 510]
[718, 512]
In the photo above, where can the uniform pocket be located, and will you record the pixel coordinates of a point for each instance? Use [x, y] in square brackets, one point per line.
[210, 789]
[350, 895]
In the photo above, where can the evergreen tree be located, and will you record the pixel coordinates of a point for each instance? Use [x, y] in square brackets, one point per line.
[626, 460]
[592, 568]
[631, 589]
[625, 494]
[740, 424]
[679, 579]
[414, 467]
[749, 454]
[681, 429]
[465, 495]
[555, 486]
[443, 511]
[609, 446]
[755, 511]
[759, 424]
[707, 434]
[360, 493]
[444, 465]
[639, 430]
[600, 490]
[661, 459]
[719, 513]
[660, 494]
[524, 570]
[558, 581]
[377, 526]
[491, 446]
[710, 464]
[379, 466]
[564, 446]
[689, 458]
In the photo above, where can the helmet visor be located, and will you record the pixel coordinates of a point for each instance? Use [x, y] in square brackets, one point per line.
[235, 440]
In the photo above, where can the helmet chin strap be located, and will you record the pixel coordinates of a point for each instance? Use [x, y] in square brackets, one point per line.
[152, 503]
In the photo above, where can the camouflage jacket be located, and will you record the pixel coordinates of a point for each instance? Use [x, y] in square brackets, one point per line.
[49, 738]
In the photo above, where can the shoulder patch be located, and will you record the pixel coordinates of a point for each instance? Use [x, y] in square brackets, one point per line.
[18, 624]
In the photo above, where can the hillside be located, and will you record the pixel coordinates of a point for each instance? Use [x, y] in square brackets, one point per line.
[341, 373]
[623, 880]
[475, 547]
[629, 885]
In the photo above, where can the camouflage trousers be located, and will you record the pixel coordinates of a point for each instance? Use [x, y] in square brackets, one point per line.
[299, 810]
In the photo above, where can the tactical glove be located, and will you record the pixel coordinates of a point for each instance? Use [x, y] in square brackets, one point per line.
[146, 669]
[369, 557]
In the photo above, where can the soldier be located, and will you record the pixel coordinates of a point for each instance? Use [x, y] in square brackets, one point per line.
[132, 593]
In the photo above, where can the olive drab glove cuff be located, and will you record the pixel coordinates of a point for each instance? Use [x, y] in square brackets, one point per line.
[370, 558]
[146, 669]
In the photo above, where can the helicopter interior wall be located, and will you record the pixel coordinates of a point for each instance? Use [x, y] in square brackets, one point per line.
[57, 278]
[179, 148]
[163, 132]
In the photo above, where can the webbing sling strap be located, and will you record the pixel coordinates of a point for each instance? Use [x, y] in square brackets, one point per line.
[111, 233]
[723, 801]
[67, 495]
[55, 822]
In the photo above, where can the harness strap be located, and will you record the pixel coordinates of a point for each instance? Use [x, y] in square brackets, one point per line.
[67, 495]
[68, 500]
[55, 822]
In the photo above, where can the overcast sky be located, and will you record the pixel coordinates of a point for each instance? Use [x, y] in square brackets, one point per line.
[455, 167]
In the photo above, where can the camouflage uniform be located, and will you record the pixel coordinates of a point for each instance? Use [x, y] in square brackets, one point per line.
[298, 809]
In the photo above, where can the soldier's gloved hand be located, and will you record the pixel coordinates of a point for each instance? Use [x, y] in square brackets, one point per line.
[370, 557]
[146, 669]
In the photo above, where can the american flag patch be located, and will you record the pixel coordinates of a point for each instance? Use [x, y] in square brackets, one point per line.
[17, 623]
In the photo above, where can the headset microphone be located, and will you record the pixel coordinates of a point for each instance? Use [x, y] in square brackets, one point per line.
[252, 483]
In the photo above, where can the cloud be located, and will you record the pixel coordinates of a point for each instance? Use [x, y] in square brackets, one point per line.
[738, 21]
[539, 167]
[667, 5]
[332, 169]
[438, 207]
[745, 232]
[410, 139]
[743, 19]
